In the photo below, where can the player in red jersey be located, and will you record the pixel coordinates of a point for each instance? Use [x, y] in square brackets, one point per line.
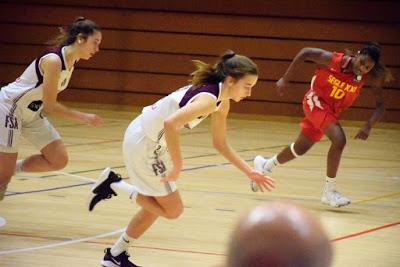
[334, 87]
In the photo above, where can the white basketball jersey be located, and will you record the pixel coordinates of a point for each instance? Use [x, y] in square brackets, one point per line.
[26, 92]
[153, 116]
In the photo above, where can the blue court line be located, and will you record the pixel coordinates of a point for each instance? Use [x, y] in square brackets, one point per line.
[230, 210]
[88, 183]
[45, 190]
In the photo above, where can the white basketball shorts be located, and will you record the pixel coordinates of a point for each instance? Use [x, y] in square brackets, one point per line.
[37, 130]
[146, 161]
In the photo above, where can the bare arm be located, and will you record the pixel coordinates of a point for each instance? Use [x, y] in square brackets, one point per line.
[203, 105]
[219, 133]
[376, 87]
[317, 55]
[51, 66]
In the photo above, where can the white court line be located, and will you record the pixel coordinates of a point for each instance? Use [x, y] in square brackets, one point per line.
[2, 221]
[75, 176]
[74, 241]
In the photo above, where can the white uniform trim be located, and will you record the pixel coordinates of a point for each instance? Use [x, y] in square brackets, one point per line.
[312, 98]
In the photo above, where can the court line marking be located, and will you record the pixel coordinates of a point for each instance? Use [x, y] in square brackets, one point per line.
[2, 222]
[377, 197]
[366, 231]
[74, 174]
[53, 245]
[92, 143]
[89, 240]
[46, 190]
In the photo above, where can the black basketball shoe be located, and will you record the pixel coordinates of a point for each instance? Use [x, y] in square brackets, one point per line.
[119, 261]
[102, 188]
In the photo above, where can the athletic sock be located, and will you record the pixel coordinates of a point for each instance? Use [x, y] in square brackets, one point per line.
[18, 166]
[330, 184]
[122, 244]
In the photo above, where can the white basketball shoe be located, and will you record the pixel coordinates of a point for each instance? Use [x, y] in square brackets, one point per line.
[334, 198]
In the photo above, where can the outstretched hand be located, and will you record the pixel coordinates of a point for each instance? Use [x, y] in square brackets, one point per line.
[363, 133]
[92, 120]
[264, 182]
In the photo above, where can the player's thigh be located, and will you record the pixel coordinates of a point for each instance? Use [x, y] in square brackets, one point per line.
[41, 133]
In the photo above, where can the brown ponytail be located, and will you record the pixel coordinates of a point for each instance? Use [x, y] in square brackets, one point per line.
[68, 35]
[229, 64]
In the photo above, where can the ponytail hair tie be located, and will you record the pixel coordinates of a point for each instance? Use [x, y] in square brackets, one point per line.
[228, 54]
[78, 19]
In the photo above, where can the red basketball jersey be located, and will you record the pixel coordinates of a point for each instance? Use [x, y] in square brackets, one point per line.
[336, 90]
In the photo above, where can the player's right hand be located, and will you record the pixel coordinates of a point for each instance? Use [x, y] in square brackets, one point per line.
[264, 182]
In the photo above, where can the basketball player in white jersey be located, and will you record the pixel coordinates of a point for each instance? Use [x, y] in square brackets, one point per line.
[36, 90]
[151, 146]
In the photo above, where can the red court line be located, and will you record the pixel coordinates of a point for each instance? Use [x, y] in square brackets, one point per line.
[365, 231]
[112, 243]
[200, 252]
[164, 249]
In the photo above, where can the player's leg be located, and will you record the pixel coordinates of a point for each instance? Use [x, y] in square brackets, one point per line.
[7, 168]
[53, 154]
[330, 195]
[306, 139]
[53, 157]
[172, 207]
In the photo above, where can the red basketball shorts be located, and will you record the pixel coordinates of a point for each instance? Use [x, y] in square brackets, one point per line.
[317, 117]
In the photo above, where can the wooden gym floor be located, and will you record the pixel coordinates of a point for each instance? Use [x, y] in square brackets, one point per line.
[47, 222]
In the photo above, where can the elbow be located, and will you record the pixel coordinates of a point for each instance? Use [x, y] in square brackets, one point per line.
[219, 145]
[305, 53]
[380, 107]
[170, 125]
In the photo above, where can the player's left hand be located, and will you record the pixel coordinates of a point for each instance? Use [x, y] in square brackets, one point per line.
[264, 182]
[363, 133]
[171, 176]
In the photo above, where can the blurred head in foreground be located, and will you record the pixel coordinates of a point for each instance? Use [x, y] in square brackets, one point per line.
[279, 234]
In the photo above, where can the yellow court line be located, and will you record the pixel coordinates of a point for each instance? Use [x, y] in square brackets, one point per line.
[376, 198]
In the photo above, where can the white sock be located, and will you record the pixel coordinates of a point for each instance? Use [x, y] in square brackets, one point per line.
[18, 166]
[271, 163]
[122, 244]
[124, 187]
[330, 184]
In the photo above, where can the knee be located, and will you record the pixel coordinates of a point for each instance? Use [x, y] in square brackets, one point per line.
[174, 213]
[59, 162]
[339, 143]
[299, 149]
